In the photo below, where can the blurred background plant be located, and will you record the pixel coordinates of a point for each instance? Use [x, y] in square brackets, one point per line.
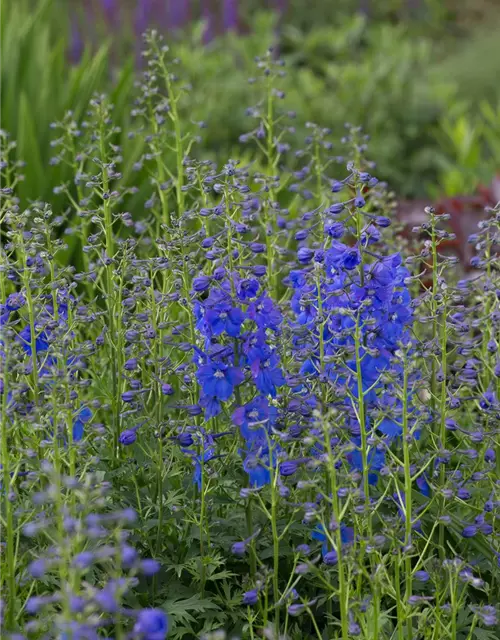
[469, 140]
[394, 67]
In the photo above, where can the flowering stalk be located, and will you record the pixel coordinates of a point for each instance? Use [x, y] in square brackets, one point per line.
[407, 439]
[336, 513]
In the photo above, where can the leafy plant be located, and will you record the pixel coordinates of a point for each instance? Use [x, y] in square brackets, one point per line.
[469, 149]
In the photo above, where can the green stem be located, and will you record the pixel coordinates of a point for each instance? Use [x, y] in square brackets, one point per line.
[343, 594]
[10, 578]
[110, 252]
[276, 556]
[408, 494]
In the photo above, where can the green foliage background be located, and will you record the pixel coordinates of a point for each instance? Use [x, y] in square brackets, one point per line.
[414, 90]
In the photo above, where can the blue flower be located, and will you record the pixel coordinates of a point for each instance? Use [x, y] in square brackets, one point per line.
[423, 485]
[199, 461]
[346, 537]
[218, 380]
[264, 313]
[390, 428]
[334, 229]
[152, 624]
[254, 419]
[127, 437]
[376, 460]
[81, 418]
[41, 340]
[250, 597]
[201, 283]
[255, 348]
[256, 464]
[211, 405]
[305, 255]
[15, 301]
[247, 288]
[268, 376]
[224, 317]
[341, 256]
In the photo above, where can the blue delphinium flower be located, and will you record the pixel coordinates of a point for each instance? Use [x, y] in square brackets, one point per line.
[255, 419]
[152, 624]
[346, 537]
[264, 313]
[41, 340]
[376, 460]
[268, 375]
[82, 416]
[257, 464]
[218, 380]
[221, 315]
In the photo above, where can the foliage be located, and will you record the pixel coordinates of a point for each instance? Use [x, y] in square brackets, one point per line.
[469, 149]
[39, 86]
[374, 74]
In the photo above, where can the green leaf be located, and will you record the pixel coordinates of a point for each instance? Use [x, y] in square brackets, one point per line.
[29, 150]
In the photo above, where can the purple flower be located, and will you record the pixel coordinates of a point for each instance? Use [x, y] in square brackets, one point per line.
[150, 567]
[127, 437]
[222, 316]
[265, 313]
[247, 288]
[152, 624]
[251, 597]
[305, 255]
[83, 560]
[128, 396]
[230, 14]
[15, 301]
[296, 609]
[254, 419]
[111, 11]
[341, 256]
[239, 548]
[421, 576]
[167, 389]
[218, 380]
[143, 16]
[267, 375]
[38, 568]
[331, 557]
[201, 283]
[334, 229]
[81, 418]
[178, 13]
[288, 468]
[489, 455]
[185, 439]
